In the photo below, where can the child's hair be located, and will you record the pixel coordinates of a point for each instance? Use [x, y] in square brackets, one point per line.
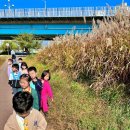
[32, 68]
[22, 102]
[26, 77]
[10, 60]
[44, 73]
[24, 64]
[20, 59]
[15, 66]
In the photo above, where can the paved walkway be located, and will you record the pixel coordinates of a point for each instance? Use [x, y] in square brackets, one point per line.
[5, 96]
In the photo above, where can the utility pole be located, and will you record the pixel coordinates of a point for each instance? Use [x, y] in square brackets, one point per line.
[45, 7]
[44, 3]
[122, 2]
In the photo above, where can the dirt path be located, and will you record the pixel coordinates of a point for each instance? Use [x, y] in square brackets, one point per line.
[5, 96]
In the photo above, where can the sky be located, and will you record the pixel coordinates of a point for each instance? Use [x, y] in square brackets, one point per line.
[59, 3]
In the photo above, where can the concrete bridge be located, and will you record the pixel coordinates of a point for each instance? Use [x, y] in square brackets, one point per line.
[51, 21]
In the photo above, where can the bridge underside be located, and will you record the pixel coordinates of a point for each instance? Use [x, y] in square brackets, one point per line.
[38, 37]
[45, 28]
[49, 20]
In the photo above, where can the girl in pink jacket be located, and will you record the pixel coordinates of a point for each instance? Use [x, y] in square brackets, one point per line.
[46, 91]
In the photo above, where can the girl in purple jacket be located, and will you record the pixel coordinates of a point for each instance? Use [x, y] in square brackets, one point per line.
[46, 91]
[10, 63]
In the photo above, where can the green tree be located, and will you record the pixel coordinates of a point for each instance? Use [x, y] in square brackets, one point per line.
[12, 45]
[27, 40]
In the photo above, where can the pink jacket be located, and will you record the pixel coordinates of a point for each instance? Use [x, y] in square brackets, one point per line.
[45, 93]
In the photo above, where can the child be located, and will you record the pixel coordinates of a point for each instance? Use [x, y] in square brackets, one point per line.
[24, 116]
[14, 78]
[25, 85]
[46, 91]
[24, 68]
[10, 63]
[35, 82]
[20, 60]
[13, 56]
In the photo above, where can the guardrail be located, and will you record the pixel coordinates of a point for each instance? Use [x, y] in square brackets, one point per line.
[60, 12]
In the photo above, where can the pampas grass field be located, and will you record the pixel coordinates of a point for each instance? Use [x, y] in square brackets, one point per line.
[102, 56]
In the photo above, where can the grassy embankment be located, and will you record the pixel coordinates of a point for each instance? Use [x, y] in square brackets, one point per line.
[77, 107]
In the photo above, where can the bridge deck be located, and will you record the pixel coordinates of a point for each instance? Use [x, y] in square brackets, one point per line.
[49, 22]
[60, 12]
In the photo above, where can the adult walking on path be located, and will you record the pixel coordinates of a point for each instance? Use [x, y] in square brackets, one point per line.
[5, 96]
[13, 56]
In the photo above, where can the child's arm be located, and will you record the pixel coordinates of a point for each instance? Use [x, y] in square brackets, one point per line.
[9, 125]
[10, 80]
[10, 76]
[36, 100]
[8, 71]
[39, 85]
[42, 124]
[49, 90]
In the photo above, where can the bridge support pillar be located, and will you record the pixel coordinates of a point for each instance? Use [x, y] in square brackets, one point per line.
[84, 18]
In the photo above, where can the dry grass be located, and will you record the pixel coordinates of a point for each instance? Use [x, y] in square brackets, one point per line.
[102, 56]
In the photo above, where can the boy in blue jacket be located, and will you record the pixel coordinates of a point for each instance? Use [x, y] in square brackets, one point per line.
[14, 78]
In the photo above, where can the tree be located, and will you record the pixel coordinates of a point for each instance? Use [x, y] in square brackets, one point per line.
[28, 41]
[12, 45]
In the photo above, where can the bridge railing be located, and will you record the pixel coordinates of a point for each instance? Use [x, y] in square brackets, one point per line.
[60, 12]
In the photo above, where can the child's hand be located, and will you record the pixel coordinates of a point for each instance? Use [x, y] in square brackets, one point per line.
[52, 99]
